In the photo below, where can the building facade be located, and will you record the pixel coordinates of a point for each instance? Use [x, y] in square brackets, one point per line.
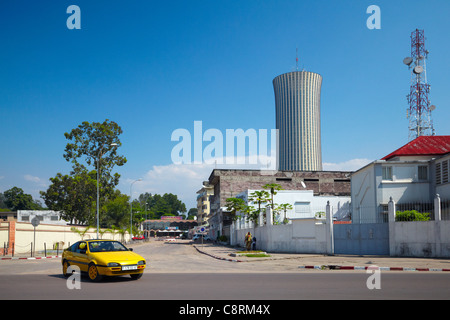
[230, 183]
[297, 105]
[204, 203]
[412, 176]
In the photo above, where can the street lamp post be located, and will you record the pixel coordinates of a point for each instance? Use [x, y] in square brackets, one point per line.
[100, 154]
[131, 208]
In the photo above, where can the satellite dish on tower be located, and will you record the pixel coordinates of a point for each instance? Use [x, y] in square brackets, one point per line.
[433, 107]
[418, 69]
[408, 61]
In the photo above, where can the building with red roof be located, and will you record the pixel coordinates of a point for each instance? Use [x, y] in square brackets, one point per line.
[413, 175]
[423, 146]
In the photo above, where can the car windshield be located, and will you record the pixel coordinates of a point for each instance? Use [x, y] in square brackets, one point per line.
[105, 246]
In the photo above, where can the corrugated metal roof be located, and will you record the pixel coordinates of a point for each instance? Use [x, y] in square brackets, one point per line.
[423, 145]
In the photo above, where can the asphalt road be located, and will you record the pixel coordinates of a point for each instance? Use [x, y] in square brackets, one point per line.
[179, 272]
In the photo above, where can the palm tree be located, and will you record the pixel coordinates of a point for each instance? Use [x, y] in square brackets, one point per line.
[234, 205]
[285, 207]
[259, 197]
[274, 187]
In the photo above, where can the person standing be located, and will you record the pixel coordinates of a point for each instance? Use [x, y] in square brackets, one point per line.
[248, 241]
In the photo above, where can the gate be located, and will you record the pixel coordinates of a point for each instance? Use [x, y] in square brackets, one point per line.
[361, 239]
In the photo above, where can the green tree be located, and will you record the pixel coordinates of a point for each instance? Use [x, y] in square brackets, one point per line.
[117, 211]
[165, 205]
[192, 213]
[234, 205]
[260, 198]
[273, 187]
[96, 143]
[73, 195]
[284, 207]
[15, 199]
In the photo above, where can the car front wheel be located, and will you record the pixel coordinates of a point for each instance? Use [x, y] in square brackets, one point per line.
[136, 276]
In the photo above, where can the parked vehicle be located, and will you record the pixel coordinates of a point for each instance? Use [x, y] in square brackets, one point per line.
[198, 236]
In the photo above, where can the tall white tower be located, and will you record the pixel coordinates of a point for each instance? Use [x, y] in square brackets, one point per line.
[297, 105]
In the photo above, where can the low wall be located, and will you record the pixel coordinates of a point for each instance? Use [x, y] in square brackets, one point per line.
[47, 235]
[301, 236]
[420, 239]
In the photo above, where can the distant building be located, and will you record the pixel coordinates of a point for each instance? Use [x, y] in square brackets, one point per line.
[167, 226]
[44, 216]
[297, 105]
[203, 202]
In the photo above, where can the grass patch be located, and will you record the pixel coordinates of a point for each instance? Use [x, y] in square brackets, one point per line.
[255, 255]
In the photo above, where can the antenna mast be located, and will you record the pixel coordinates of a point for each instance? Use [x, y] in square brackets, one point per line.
[296, 57]
[419, 110]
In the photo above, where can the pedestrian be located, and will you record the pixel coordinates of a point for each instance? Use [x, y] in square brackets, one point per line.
[254, 243]
[248, 241]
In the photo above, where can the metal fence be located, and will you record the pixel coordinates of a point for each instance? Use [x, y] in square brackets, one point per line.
[28, 250]
[380, 213]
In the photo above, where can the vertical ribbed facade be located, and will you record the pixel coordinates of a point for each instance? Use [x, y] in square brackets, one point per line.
[297, 105]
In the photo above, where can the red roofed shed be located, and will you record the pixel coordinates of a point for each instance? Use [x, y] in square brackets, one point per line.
[423, 146]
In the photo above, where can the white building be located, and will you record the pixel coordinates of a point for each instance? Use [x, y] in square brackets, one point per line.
[412, 175]
[44, 216]
[305, 204]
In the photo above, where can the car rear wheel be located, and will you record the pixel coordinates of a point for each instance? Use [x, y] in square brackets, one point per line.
[93, 273]
[65, 267]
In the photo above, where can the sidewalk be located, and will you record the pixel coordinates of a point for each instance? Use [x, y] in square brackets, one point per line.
[326, 262]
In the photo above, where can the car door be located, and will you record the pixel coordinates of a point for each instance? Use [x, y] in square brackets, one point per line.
[80, 257]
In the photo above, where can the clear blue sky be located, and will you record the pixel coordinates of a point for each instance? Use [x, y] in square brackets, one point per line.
[155, 66]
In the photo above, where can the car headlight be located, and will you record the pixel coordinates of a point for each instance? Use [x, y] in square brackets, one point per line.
[113, 264]
[141, 262]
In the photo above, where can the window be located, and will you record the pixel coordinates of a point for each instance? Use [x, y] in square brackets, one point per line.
[25, 218]
[422, 172]
[442, 172]
[445, 174]
[387, 173]
[302, 209]
[438, 173]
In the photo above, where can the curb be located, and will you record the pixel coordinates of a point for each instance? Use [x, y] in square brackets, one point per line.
[217, 257]
[29, 258]
[333, 267]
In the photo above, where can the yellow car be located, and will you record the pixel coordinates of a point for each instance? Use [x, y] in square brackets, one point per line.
[103, 258]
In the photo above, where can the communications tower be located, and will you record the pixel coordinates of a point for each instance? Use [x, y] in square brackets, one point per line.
[419, 110]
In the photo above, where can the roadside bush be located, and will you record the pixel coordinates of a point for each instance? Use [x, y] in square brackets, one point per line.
[222, 238]
[411, 215]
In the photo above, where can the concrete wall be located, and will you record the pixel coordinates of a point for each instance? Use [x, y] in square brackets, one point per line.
[420, 239]
[301, 236]
[22, 234]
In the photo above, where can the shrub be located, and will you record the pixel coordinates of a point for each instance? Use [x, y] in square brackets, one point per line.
[411, 215]
[222, 238]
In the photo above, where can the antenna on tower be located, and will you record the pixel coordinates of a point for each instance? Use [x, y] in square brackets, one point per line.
[296, 57]
[419, 111]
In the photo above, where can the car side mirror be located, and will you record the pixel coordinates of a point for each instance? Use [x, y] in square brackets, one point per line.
[130, 249]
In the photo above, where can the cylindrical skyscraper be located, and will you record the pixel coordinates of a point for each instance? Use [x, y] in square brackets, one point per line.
[297, 104]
